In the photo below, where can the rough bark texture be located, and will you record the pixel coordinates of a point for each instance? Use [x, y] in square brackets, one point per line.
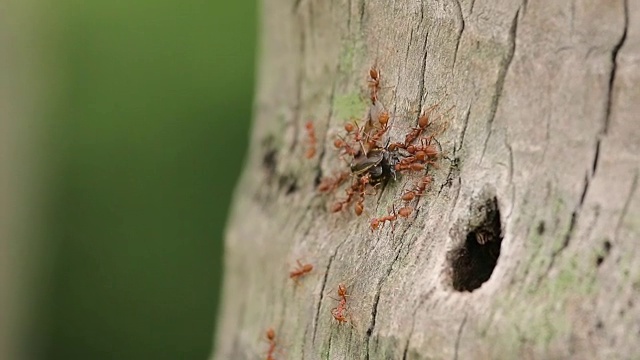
[22, 107]
[544, 145]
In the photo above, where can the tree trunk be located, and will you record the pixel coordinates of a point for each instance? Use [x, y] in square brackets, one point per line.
[24, 103]
[539, 171]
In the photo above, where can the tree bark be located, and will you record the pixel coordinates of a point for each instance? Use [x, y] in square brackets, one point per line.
[540, 170]
[24, 102]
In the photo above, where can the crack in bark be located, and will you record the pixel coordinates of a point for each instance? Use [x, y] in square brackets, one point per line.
[406, 349]
[413, 323]
[585, 188]
[596, 158]
[502, 74]
[362, 6]
[455, 53]
[322, 287]
[465, 124]
[455, 198]
[454, 171]
[409, 245]
[324, 284]
[507, 218]
[459, 336]
[329, 346]
[283, 316]
[406, 54]
[508, 146]
[614, 65]
[376, 298]
[350, 342]
[612, 78]
[625, 208]
[572, 223]
[422, 73]
[374, 313]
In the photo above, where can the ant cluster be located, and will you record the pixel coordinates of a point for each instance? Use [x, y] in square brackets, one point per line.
[271, 339]
[338, 312]
[372, 163]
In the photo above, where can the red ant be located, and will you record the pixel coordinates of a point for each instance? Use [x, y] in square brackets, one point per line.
[341, 143]
[420, 155]
[271, 338]
[414, 162]
[415, 132]
[311, 134]
[425, 147]
[349, 127]
[338, 312]
[414, 166]
[374, 84]
[379, 222]
[300, 271]
[355, 131]
[338, 206]
[408, 160]
[405, 211]
[418, 190]
[359, 206]
[348, 149]
[357, 187]
[425, 152]
[423, 123]
[329, 184]
[383, 120]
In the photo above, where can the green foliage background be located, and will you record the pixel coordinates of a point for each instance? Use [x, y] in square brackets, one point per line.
[152, 113]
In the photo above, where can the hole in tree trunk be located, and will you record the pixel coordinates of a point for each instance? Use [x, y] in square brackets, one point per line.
[472, 262]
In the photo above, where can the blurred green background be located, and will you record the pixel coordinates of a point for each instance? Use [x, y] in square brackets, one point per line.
[150, 125]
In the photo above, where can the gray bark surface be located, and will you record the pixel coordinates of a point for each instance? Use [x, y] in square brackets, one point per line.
[543, 141]
[24, 61]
